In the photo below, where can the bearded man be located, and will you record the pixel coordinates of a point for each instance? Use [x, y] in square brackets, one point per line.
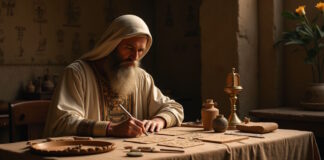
[86, 101]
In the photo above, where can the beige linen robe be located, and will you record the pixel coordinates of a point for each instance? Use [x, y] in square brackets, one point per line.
[77, 100]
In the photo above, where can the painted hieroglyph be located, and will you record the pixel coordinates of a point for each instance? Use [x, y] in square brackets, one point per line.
[48, 32]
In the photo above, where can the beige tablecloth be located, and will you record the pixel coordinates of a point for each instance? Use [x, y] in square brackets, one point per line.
[280, 144]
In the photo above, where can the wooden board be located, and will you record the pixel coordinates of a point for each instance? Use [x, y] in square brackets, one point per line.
[221, 138]
[181, 143]
[150, 139]
[71, 148]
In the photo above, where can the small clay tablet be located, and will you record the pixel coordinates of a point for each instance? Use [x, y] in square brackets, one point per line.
[128, 147]
[134, 154]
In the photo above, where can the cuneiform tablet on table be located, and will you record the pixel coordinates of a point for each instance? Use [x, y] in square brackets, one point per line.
[191, 136]
[181, 143]
[221, 138]
[172, 132]
[150, 139]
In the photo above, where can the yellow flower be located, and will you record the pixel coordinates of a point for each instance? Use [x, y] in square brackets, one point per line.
[320, 6]
[301, 10]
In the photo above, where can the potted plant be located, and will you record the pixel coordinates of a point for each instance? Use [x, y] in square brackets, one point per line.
[309, 35]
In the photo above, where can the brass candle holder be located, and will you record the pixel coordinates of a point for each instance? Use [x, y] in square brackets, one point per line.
[233, 88]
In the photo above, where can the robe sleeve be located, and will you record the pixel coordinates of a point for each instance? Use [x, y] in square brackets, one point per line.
[66, 115]
[162, 106]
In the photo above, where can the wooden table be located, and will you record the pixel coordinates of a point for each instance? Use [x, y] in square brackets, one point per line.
[280, 144]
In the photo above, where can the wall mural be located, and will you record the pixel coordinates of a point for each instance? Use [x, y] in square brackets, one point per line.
[42, 42]
[73, 13]
[192, 28]
[20, 37]
[1, 19]
[76, 45]
[61, 56]
[169, 17]
[56, 32]
[60, 40]
[109, 12]
[39, 13]
[2, 37]
[9, 5]
[92, 40]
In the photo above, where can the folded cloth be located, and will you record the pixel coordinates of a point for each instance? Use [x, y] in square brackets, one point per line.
[257, 127]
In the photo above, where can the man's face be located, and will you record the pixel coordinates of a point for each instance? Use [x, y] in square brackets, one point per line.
[130, 50]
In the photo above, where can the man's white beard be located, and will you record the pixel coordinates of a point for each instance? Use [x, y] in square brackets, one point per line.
[123, 79]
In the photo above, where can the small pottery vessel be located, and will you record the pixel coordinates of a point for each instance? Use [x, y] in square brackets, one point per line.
[220, 123]
[48, 85]
[208, 114]
[30, 87]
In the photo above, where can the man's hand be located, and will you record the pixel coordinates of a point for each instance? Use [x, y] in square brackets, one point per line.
[154, 125]
[129, 128]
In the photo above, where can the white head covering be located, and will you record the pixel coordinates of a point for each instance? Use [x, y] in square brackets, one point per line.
[123, 27]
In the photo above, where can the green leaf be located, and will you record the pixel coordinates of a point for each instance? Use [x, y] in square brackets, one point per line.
[312, 52]
[320, 32]
[311, 55]
[320, 45]
[308, 29]
[294, 41]
[303, 32]
[309, 60]
[291, 15]
[278, 43]
[315, 19]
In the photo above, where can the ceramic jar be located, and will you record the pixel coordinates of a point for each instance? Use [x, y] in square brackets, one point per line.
[208, 114]
[48, 85]
[220, 123]
[30, 87]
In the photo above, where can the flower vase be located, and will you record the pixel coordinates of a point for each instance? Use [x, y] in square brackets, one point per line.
[314, 97]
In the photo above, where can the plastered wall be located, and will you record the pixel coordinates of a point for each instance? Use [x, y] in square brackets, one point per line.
[218, 48]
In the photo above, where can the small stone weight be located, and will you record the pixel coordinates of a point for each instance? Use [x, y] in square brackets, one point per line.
[134, 154]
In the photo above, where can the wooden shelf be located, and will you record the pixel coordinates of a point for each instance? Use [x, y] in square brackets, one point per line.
[289, 113]
[293, 118]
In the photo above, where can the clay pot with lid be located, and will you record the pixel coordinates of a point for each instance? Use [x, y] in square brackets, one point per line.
[208, 114]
